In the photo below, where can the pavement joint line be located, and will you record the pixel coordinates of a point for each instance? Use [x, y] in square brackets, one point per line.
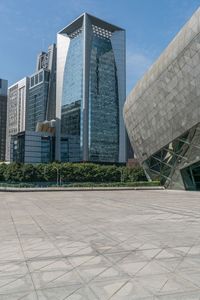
[17, 234]
[71, 293]
[118, 289]
[73, 268]
[99, 220]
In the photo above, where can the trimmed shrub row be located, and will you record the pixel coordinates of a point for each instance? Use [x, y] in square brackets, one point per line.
[70, 172]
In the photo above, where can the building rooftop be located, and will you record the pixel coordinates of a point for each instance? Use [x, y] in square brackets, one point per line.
[77, 23]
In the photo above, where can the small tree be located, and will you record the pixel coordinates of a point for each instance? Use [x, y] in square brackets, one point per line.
[29, 172]
[2, 171]
[14, 172]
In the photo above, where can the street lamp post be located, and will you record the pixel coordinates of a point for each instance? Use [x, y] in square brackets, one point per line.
[57, 176]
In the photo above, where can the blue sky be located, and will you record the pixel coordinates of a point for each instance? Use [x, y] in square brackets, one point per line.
[29, 26]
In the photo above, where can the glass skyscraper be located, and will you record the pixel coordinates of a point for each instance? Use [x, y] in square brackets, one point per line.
[42, 90]
[3, 115]
[90, 91]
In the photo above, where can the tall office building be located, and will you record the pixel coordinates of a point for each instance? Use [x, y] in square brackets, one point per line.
[41, 103]
[16, 110]
[31, 101]
[3, 114]
[90, 91]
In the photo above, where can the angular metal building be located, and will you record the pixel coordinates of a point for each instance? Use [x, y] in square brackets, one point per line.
[162, 113]
[91, 91]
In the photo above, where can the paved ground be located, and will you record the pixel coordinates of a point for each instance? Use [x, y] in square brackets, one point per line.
[100, 245]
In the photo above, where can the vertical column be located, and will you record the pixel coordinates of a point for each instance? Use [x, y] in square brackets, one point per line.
[87, 37]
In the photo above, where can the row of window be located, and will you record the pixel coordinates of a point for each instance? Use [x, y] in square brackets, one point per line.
[39, 77]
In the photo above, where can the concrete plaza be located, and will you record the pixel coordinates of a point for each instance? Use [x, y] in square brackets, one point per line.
[100, 245]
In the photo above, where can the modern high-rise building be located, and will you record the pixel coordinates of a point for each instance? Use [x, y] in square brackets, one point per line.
[3, 114]
[31, 101]
[16, 110]
[41, 104]
[91, 91]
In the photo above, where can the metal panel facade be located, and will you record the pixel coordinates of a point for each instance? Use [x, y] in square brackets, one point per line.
[165, 104]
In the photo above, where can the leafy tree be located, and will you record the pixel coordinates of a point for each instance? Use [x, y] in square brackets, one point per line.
[2, 171]
[29, 172]
[13, 172]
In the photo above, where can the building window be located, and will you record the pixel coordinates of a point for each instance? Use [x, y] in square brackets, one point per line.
[40, 76]
[36, 79]
[32, 81]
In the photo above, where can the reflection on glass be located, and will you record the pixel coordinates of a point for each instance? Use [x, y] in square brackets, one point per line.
[164, 163]
[103, 102]
[72, 100]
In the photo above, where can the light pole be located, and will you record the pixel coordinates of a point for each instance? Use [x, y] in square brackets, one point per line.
[57, 176]
[121, 171]
[60, 179]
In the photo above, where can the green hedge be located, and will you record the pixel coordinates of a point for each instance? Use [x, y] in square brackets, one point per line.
[69, 173]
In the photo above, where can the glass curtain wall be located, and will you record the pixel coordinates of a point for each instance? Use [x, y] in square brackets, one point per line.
[71, 122]
[177, 158]
[103, 102]
[37, 101]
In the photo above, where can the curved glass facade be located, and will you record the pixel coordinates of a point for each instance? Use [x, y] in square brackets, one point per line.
[91, 91]
[103, 131]
[73, 73]
[103, 102]
[72, 94]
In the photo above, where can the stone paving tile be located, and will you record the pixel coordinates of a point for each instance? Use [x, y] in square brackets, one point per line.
[106, 289]
[193, 295]
[49, 265]
[132, 290]
[84, 293]
[43, 280]
[13, 268]
[20, 296]
[100, 245]
[58, 293]
[116, 257]
[170, 264]
[13, 284]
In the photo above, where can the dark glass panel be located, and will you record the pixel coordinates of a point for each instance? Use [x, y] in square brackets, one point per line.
[103, 102]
